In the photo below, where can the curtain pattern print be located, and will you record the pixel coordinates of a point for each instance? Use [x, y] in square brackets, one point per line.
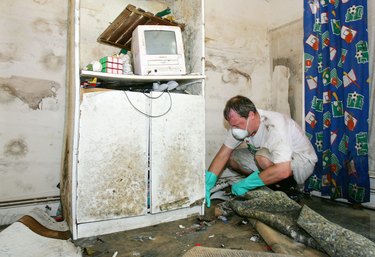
[337, 96]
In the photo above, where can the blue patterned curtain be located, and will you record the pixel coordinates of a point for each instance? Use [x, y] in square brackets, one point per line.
[337, 96]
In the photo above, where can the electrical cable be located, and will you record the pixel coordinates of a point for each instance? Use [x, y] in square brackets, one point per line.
[148, 115]
[156, 97]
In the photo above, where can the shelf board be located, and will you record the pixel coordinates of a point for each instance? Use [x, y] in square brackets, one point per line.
[137, 78]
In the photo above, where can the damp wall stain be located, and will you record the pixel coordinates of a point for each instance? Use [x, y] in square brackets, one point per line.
[189, 13]
[41, 25]
[8, 52]
[286, 50]
[16, 148]
[232, 71]
[42, 2]
[24, 186]
[29, 90]
[62, 24]
[210, 66]
[52, 61]
[234, 74]
[281, 61]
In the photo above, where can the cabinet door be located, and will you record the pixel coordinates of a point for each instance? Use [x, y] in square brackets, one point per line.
[177, 151]
[112, 156]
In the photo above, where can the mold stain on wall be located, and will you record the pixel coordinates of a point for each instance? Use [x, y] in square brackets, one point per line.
[231, 70]
[210, 66]
[287, 50]
[234, 74]
[190, 12]
[8, 53]
[287, 63]
[16, 148]
[52, 62]
[62, 24]
[29, 90]
[41, 25]
[40, 1]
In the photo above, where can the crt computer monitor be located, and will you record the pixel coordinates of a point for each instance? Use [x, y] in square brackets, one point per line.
[158, 50]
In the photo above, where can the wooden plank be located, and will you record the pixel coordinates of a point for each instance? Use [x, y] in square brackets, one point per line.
[114, 25]
[119, 32]
[282, 244]
[127, 34]
[124, 27]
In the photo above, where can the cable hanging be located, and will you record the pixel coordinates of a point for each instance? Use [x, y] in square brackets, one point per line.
[146, 114]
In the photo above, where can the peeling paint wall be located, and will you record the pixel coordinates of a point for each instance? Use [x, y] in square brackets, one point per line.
[240, 56]
[287, 50]
[32, 97]
[237, 62]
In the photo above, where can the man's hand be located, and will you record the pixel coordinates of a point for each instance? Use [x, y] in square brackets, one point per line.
[211, 179]
[249, 183]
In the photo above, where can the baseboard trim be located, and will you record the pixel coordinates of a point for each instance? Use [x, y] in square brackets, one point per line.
[11, 213]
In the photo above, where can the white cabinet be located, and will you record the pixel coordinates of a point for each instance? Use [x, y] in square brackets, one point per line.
[177, 147]
[132, 159]
[112, 157]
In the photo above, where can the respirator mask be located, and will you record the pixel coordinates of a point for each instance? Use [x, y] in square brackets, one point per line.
[240, 134]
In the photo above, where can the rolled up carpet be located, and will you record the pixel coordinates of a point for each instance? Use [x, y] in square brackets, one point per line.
[334, 239]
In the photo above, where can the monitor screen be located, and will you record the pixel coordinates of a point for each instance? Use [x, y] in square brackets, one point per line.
[160, 42]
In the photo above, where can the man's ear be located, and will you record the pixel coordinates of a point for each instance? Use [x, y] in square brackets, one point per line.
[251, 115]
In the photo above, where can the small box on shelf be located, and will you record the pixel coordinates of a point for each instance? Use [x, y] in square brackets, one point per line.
[113, 65]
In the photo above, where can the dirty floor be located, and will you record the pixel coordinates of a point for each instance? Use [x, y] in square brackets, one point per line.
[175, 238]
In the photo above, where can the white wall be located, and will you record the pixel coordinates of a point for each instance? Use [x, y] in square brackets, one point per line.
[284, 12]
[238, 56]
[32, 96]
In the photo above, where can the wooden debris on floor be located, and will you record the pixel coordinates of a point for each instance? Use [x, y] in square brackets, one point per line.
[282, 244]
[217, 252]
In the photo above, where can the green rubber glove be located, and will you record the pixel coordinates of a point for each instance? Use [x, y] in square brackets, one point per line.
[246, 184]
[211, 179]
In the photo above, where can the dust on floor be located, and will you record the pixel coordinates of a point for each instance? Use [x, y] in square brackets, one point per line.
[177, 237]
